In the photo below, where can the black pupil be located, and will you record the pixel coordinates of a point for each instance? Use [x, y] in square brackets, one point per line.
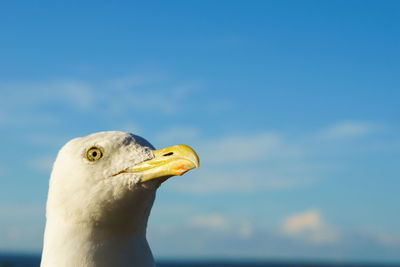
[94, 153]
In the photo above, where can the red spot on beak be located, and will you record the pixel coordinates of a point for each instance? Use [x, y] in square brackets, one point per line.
[180, 168]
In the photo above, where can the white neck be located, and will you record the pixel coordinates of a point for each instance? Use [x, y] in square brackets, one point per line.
[117, 238]
[79, 246]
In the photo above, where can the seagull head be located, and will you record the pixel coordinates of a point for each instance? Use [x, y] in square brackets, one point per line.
[108, 180]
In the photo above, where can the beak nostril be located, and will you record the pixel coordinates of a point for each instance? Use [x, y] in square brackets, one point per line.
[168, 154]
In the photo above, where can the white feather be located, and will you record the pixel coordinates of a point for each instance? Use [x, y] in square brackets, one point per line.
[93, 217]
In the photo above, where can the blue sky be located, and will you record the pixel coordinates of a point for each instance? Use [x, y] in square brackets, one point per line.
[293, 107]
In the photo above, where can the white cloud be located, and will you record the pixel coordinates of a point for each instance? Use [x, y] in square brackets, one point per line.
[176, 134]
[235, 149]
[135, 80]
[28, 118]
[77, 94]
[220, 223]
[220, 236]
[388, 239]
[213, 221]
[155, 93]
[246, 230]
[108, 98]
[263, 161]
[309, 226]
[247, 149]
[23, 102]
[217, 181]
[348, 129]
[247, 163]
[309, 220]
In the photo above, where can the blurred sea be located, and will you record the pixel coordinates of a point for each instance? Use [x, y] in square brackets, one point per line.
[19, 260]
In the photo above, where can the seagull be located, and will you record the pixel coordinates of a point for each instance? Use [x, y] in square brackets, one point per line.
[101, 191]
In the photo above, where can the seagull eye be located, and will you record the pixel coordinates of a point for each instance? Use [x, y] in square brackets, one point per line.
[93, 154]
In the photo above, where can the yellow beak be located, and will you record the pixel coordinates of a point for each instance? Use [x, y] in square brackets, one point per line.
[167, 162]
